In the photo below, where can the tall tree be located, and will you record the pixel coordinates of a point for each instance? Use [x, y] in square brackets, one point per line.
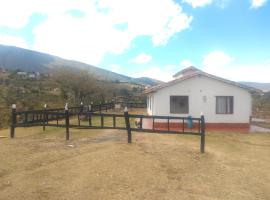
[76, 85]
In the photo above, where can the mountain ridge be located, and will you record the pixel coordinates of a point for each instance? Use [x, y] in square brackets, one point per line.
[15, 58]
[265, 87]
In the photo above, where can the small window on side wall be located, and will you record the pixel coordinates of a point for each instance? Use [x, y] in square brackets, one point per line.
[179, 105]
[149, 102]
[224, 105]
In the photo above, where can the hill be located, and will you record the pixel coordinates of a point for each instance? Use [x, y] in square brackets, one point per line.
[262, 86]
[14, 58]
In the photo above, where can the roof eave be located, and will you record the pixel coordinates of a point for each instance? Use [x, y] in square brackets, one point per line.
[161, 86]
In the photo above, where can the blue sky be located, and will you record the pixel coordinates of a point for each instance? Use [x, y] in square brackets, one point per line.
[150, 38]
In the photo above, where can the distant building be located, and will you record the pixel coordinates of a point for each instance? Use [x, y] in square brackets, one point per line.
[22, 73]
[31, 75]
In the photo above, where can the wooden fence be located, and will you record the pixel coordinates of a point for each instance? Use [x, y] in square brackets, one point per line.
[91, 117]
[263, 114]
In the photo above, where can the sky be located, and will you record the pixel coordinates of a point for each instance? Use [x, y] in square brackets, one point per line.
[153, 38]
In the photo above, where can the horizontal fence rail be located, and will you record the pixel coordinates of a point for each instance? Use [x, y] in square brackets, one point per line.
[38, 116]
[91, 117]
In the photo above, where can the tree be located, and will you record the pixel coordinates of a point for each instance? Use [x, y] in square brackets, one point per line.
[76, 85]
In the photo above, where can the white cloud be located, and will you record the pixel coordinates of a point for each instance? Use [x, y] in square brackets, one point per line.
[254, 73]
[90, 37]
[171, 67]
[257, 3]
[215, 62]
[236, 72]
[155, 73]
[216, 59]
[198, 3]
[222, 3]
[164, 73]
[15, 13]
[158, 19]
[115, 68]
[11, 14]
[84, 39]
[186, 63]
[223, 65]
[202, 3]
[142, 58]
[13, 41]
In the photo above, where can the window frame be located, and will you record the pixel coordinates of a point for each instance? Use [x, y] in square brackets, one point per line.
[150, 103]
[228, 98]
[187, 104]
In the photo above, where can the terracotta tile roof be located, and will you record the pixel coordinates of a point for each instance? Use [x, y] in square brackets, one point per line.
[198, 72]
[186, 71]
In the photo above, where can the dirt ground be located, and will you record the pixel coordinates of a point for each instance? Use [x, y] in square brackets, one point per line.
[99, 164]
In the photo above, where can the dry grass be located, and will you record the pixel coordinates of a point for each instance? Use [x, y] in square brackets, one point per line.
[101, 165]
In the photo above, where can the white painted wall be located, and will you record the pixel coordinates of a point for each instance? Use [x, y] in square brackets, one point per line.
[196, 88]
[150, 104]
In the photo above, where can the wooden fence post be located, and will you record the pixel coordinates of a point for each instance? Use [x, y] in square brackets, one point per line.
[89, 108]
[81, 108]
[128, 125]
[79, 120]
[13, 121]
[80, 113]
[89, 114]
[102, 120]
[67, 121]
[25, 117]
[202, 133]
[106, 106]
[114, 121]
[57, 117]
[44, 116]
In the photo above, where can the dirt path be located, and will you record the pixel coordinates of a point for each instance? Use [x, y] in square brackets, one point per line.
[254, 129]
[101, 165]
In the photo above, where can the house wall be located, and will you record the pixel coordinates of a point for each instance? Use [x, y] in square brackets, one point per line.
[198, 87]
[150, 104]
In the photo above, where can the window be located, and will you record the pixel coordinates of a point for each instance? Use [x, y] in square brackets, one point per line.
[149, 102]
[224, 105]
[179, 104]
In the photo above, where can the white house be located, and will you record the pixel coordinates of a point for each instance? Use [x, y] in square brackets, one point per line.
[224, 103]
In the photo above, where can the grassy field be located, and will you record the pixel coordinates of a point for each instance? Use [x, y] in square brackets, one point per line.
[99, 164]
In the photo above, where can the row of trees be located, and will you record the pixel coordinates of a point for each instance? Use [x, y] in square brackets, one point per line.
[76, 86]
[64, 85]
